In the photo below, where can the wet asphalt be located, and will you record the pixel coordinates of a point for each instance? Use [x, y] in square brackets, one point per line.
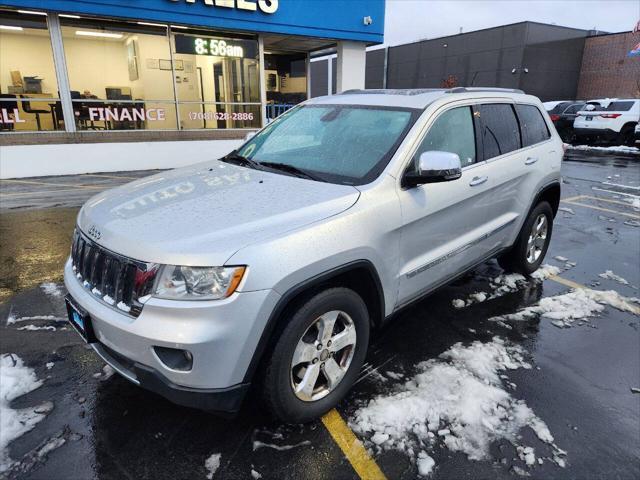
[580, 386]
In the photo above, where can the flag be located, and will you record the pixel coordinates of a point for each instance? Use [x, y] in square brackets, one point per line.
[635, 51]
[636, 29]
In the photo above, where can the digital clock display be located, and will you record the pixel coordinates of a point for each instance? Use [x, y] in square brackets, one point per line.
[216, 47]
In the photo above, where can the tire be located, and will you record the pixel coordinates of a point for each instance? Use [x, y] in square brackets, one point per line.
[303, 331]
[626, 136]
[520, 258]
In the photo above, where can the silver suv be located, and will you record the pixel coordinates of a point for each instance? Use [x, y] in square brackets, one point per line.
[273, 264]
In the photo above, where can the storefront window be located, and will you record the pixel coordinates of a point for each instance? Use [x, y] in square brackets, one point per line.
[29, 98]
[217, 80]
[286, 81]
[120, 75]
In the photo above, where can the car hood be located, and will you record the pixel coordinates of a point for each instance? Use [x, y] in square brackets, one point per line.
[203, 214]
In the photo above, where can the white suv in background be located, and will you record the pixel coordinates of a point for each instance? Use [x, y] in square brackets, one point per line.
[614, 121]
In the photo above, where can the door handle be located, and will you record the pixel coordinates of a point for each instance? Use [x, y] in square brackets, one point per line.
[531, 160]
[478, 181]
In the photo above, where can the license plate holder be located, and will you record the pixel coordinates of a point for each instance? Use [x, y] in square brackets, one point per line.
[80, 320]
[588, 118]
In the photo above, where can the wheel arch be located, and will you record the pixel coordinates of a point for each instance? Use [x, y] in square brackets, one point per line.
[361, 276]
[549, 193]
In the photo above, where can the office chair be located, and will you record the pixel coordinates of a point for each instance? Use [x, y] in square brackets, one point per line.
[26, 106]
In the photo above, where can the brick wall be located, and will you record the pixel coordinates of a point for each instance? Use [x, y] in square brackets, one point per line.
[606, 70]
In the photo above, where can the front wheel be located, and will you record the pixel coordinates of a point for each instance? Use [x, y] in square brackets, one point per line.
[317, 357]
[532, 243]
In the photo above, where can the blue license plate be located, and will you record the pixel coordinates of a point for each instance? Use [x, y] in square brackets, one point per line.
[80, 320]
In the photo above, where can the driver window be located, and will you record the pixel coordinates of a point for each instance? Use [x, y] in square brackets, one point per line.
[452, 132]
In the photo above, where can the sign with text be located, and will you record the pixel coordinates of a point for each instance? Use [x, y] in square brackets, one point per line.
[216, 47]
[265, 6]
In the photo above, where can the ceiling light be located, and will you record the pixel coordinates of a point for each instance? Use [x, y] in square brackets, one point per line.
[65, 15]
[83, 33]
[32, 12]
[148, 24]
[10, 27]
[179, 26]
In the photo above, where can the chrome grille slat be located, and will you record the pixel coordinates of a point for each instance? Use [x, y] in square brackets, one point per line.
[112, 278]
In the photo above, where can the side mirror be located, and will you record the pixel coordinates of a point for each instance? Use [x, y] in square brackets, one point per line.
[434, 167]
[249, 136]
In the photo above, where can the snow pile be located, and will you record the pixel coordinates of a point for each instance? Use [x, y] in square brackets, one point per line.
[609, 275]
[507, 283]
[52, 289]
[16, 379]
[634, 202]
[614, 149]
[458, 401]
[578, 304]
[212, 464]
[33, 328]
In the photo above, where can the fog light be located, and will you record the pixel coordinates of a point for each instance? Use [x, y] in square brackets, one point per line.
[174, 358]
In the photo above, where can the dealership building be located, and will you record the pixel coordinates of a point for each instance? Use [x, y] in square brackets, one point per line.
[104, 85]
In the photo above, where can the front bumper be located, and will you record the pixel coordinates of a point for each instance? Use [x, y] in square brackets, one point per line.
[221, 335]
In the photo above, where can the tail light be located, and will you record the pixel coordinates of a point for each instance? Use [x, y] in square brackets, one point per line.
[610, 115]
[554, 117]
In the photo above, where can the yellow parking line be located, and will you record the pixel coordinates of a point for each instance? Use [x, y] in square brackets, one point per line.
[565, 282]
[630, 215]
[110, 176]
[47, 192]
[599, 199]
[353, 449]
[570, 199]
[51, 184]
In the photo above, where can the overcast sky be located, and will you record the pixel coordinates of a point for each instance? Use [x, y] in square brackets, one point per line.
[409, 20]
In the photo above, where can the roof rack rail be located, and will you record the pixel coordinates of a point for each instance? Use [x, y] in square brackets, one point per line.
[483, 89]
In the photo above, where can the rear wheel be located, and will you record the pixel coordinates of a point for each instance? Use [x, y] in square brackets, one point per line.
[318, 356]
[626, 136]
[532, 243]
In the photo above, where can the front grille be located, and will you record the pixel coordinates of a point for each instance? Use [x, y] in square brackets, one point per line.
[115, 280]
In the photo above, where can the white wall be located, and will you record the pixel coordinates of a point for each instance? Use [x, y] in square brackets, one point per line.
[29, 52]
[351, 66]
[41, 160]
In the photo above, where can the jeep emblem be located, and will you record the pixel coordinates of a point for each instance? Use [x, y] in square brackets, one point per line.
[94, 232]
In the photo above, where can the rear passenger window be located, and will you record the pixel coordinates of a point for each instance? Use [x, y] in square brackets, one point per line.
[500, 132]
[534, 128]
[452, 132]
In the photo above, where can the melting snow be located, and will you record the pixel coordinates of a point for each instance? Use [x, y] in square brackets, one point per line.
[52, 289]
[578, 304]
[258, 444]
[567, 210]
[16, 379]
[35, 327]
[256, 475]
[124, 307]
[212, 464]
[461, 398]
[12, 319]
[618, 148]
[609, 275]
[508, 282]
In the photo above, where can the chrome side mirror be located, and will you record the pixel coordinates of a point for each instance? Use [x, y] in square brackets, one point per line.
[433, 167]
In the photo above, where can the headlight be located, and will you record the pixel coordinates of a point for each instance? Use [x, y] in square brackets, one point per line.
[198, 283]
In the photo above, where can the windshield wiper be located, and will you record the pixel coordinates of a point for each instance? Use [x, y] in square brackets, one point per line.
[295, 171]
[237, 159]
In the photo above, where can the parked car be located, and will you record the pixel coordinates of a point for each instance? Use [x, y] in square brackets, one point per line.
[636, 133]
[272, 265]
[613, 121]
[548, 106]
[563, 115]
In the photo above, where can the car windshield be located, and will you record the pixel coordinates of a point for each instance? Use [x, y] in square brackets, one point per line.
[346, 144]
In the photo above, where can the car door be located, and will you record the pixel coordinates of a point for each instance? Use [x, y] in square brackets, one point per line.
[517, 167]
[444, 225]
